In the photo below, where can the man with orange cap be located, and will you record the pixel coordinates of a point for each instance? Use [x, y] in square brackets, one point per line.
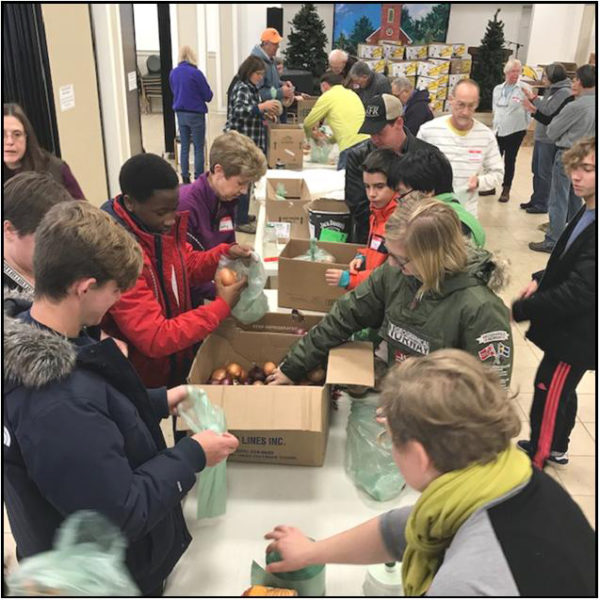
[271, 87]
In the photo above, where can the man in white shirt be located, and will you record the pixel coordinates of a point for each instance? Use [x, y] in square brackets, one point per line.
[469, 145]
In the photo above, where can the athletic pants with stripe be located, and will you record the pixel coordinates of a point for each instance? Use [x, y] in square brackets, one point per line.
[554, 407]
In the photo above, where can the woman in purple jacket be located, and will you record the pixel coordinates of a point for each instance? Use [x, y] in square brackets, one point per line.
[235, 163]
[191, 92]
[22, 152]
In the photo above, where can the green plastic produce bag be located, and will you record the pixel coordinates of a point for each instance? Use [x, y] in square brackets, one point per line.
[309, 581]
[316, 254]
[88, 559]
[200, 414]
[329, 235]
[370, 464]
[253, 303]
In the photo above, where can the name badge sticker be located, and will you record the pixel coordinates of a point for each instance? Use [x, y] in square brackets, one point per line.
[226, 224]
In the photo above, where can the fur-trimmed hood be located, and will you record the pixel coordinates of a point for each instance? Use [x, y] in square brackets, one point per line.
[32, 356]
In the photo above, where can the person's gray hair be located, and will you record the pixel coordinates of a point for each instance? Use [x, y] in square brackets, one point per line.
[278, 60]
[337, 52]
[402, 83]
[360, 69]
[511, 64]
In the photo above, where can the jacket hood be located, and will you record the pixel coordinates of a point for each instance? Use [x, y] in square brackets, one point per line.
[559, 85]
[483, 267]
[32, 356]
[419, 96]
[118, 212]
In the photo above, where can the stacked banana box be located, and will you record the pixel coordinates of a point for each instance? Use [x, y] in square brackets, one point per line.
[434, 67]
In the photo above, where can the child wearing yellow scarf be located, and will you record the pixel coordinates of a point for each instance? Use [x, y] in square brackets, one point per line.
[451, 426]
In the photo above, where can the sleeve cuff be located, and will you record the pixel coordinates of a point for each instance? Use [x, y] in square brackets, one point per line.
[220, 308]
[518, 311]
[158, 398]
[192, 452]
[344, 279]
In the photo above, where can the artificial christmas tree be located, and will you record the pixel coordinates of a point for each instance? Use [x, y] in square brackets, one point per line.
[488, 62]
[306, 42]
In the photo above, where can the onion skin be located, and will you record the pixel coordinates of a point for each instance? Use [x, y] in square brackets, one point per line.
[227, 381]
[316, 376]
[219, 374]
[269, 367]
[234, 370]
[258, 382]
[227, 276]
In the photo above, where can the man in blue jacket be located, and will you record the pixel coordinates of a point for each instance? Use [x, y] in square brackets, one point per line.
[271, 87]
[80, 429]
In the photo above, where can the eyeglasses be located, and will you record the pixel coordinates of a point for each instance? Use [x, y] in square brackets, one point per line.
[464, 105]
[15, 135]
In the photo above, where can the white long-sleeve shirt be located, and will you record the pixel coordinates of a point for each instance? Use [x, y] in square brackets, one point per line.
[472, 152]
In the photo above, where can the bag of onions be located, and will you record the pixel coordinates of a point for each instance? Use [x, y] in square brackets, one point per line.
[253, 303]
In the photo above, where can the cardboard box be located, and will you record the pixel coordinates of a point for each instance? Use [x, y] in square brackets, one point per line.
[442, 92]
[291, 211]
[304, 107]
[437, 106]
[379, 66]
[392, 51]
[285, 145]
[454, 79]
[439, 50]
[282, 425]
[459, 50]
[427, 83]
[442, 65]
[369, 51]
[302, 283]
[426, 68]
[415, 52]
[460, 65]
[443, 80]
[404, 68]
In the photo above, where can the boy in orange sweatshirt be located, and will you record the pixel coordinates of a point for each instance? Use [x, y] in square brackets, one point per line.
[383, 199]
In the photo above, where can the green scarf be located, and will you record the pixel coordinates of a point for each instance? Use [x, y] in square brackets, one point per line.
[446, 504]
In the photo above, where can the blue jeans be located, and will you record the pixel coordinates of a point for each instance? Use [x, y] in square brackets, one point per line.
[541, 167]
[563, 204]
[194, 125]
[241, 210]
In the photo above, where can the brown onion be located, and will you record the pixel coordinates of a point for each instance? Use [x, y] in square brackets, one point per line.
[258, 382]
[219, 374]
[234, 370]
[316, 375]
[269, 367]
[227, 276]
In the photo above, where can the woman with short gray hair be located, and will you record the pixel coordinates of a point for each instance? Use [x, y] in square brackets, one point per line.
[510, 120]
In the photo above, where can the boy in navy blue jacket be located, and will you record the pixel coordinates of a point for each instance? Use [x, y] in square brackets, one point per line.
[80, 429]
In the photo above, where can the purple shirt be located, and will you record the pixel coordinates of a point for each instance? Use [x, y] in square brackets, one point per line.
[210, 222]
[190, 89]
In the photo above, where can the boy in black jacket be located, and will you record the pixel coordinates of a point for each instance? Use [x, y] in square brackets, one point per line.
[80, 429]
[560, 303]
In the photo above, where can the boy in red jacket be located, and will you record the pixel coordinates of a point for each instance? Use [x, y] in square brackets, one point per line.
[383, 199]
[156, 317]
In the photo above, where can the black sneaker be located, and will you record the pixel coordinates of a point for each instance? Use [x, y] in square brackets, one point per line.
[525, 205]
[560, 459]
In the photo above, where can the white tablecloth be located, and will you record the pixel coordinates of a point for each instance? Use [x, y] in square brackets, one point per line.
[321, 501]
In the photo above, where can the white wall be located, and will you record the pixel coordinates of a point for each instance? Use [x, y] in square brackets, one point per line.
[146, 26]
[555, 30]
[252, 19]
[468, 22]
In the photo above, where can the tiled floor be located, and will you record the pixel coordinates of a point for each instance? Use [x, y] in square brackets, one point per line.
[508, 230]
